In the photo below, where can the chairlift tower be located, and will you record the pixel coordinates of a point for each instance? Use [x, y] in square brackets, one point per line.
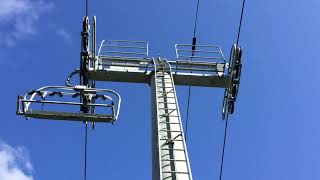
[129, 61]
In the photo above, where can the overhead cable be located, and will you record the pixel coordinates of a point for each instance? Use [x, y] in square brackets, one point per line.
[87, 7]
[227, 119]
[240, 24]
[194, 42]
[223, 147]
[85, 150]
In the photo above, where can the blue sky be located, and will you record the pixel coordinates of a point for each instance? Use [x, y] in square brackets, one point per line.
[272, 135]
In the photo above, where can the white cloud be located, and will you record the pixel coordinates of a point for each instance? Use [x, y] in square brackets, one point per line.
[65, 35]
[18, 18]
[14, 163]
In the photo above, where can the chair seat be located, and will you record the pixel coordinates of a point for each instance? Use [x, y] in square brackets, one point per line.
[53, 115]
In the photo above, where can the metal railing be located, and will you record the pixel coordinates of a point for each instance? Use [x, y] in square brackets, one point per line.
[124, 49]
[133, 55]
[199, 58]
[200, 52]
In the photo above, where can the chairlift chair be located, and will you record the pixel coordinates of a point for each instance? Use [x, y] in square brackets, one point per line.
[69, 97]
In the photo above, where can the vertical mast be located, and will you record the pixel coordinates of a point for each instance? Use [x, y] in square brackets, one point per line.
[169, 156]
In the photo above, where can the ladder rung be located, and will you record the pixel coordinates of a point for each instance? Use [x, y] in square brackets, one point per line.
[161, 82]
[168, 149]
[168, 108]
[164, 87]
[166, 97]
[170, 91]
[177, 172]
[166, 92]
[164, 77]
[163, 139]
[166, 82]
[162, 122]
[163, 130]
[178, 160]
[167, 102]
[167, 115]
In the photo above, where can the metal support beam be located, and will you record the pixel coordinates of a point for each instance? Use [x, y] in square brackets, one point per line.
[140, 76]
[169, 156]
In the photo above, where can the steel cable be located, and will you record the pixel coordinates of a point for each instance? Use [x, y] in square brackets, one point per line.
[85, 150]
[194, 42]
[240, 24]
[223, 147]
[86, 7]
[227, 119]
[196, 19]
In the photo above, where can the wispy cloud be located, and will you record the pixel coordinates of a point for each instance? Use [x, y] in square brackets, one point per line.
[14, 163]
[65, 35]
[18, 18]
